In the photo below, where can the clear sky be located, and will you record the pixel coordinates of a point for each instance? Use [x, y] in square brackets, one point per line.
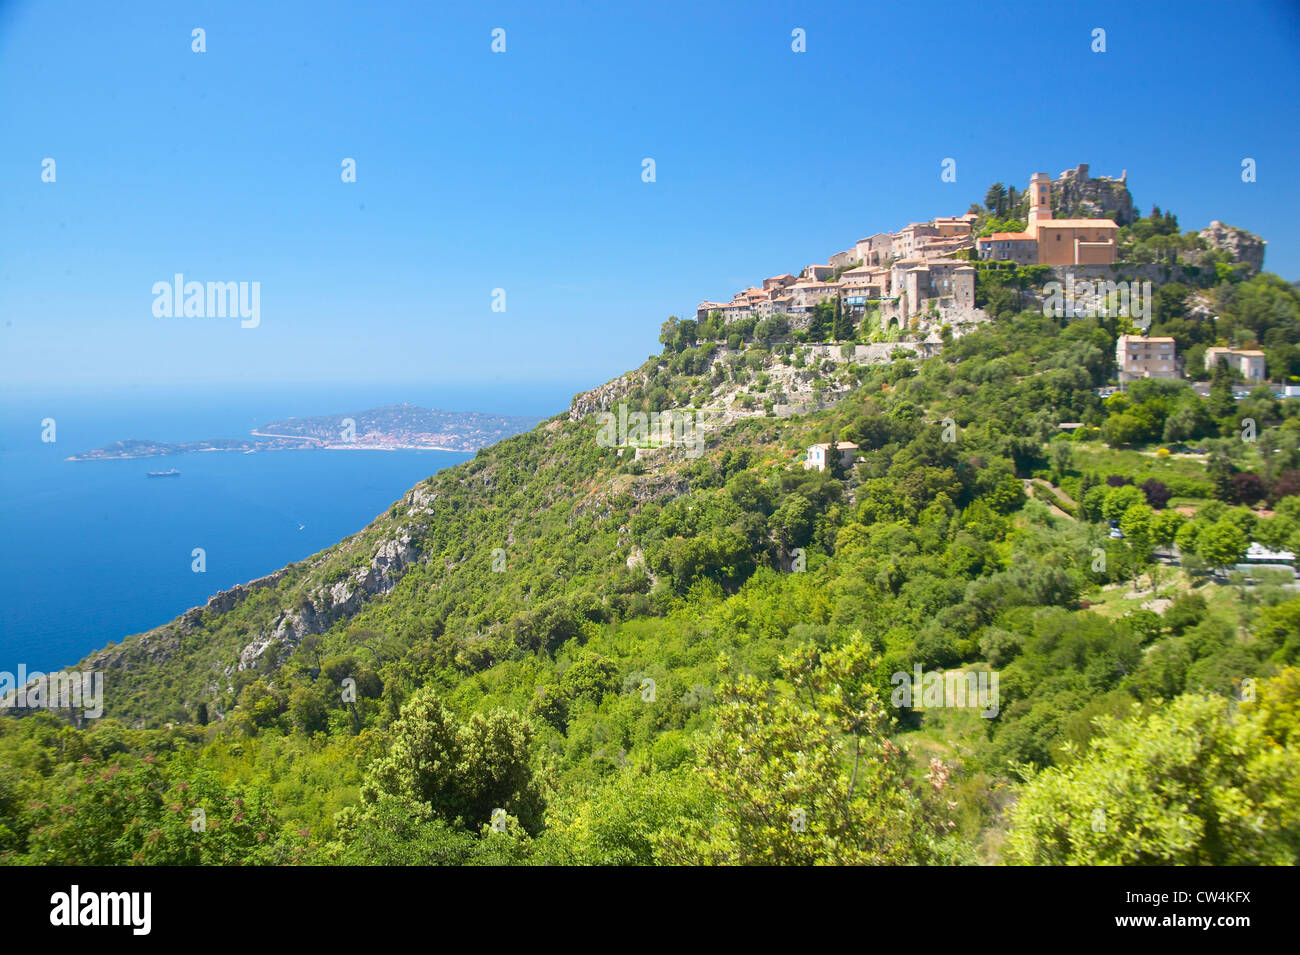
[523, 170]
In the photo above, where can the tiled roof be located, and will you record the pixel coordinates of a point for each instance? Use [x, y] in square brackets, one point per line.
[1077, 223]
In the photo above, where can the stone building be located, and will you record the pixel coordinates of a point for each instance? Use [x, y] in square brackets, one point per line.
[876, 249]
[844, 260]
[778, 281]
[1052, 241]
[907, 241]
[817, 272]
[915, 282]
[1018, 247]
[806, 293]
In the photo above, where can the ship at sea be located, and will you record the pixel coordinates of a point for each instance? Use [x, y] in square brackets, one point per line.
[172, 473]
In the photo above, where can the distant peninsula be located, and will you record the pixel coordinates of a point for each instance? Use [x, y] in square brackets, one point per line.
[391, 428]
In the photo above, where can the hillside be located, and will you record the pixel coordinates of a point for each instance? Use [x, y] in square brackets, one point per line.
[575, 650]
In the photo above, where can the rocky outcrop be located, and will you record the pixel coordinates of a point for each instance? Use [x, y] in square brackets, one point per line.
[331, 603]
[147, 649]
[227, 600]
[420, 498]
[1076, 193]
[656, 487]
[604, 397]
[153, 647]
[1243, 246]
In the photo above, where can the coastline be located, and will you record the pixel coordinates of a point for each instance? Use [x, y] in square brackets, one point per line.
[321, 447]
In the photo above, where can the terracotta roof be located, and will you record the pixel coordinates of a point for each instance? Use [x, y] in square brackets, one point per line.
[1077, 223]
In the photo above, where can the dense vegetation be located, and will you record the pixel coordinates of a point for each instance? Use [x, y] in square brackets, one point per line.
[590, 658]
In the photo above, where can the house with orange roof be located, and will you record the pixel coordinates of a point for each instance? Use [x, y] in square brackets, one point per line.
[806, 293]
[953, 226]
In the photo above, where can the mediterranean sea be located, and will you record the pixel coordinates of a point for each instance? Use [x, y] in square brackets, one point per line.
[93, 551]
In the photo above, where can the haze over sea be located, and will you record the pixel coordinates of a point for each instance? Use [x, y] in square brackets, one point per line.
[94, 551]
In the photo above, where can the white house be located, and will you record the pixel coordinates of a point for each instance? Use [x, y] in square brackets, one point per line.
[817, 455]
[1245, 363]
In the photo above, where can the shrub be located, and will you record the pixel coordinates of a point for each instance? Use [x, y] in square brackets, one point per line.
[1157, 492]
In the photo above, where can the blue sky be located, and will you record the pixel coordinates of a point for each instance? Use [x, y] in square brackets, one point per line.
[522, 170]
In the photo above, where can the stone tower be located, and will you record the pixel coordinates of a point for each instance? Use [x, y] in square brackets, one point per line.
[1040, 201]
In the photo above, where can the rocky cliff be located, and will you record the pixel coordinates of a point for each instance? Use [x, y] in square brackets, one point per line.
[1076, 193]
[1243, 246]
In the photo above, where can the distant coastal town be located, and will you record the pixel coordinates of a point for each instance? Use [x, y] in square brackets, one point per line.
[391, 428]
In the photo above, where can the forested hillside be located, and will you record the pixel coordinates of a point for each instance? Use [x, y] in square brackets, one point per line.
[562, 652]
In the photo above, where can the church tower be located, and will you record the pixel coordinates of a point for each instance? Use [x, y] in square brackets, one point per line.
[1040, 201]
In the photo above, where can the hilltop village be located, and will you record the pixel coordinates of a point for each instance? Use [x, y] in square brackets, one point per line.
[926, 267]
[915, 282]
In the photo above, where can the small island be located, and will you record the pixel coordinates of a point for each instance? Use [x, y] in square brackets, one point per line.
[391, 428]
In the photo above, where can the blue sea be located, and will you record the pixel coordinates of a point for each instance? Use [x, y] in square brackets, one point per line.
[93, 551]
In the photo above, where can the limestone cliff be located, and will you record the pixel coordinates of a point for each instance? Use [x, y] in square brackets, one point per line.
[1243, 246]
[1076, 193]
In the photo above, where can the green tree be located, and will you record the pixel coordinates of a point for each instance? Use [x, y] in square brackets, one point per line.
[1094, 502]
[1135, 523]
[1120, 499]
[459, 772]
[792, 522]
[841, 327]
[777, 766]
[995, 199]
[1061, 454]
[821, 321]
[1190, 784]
[1165, 527]
[308, 709]
[1222, 544]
